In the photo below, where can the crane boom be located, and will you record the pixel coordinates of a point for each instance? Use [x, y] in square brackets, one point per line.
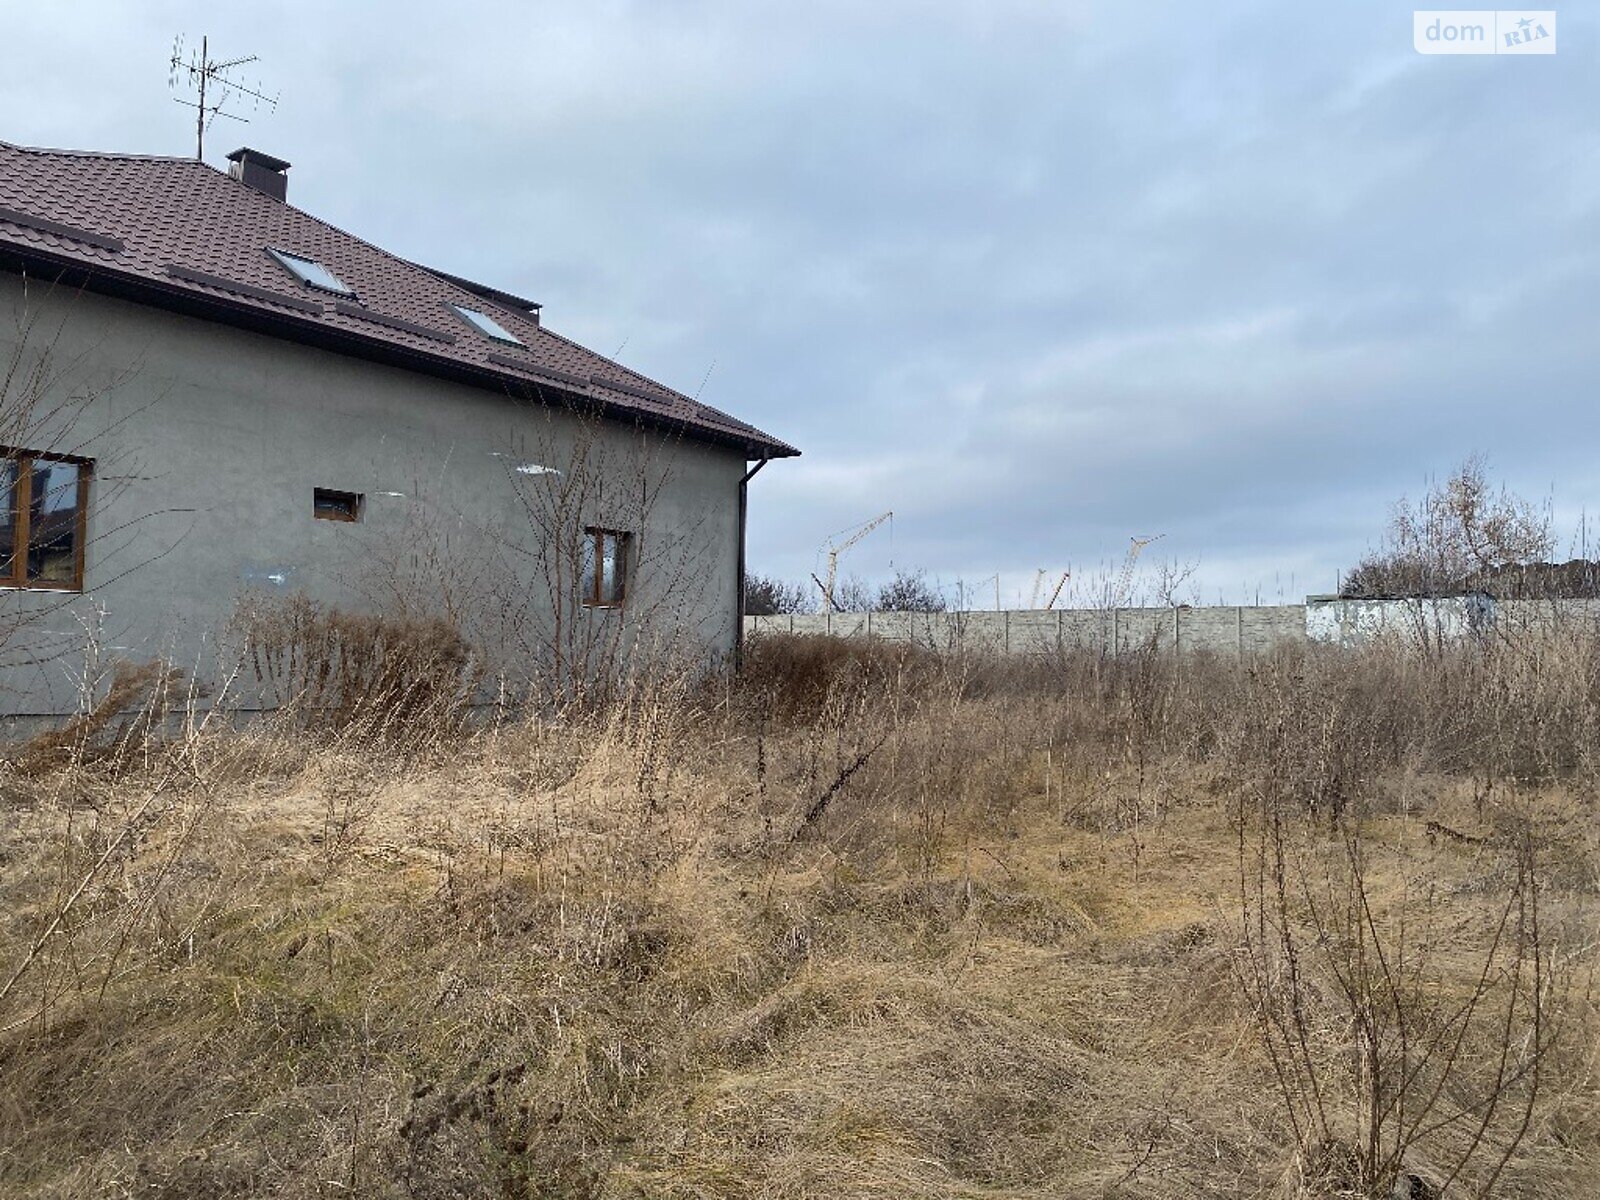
[1121, 593]
[1038, 585]
[1056, 595]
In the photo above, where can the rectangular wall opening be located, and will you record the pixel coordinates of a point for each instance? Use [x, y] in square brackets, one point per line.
[330, 505]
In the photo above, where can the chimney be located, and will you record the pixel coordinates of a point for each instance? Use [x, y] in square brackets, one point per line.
[268, 175]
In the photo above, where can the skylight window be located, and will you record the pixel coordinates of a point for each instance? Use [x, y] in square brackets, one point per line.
[310, 271]
[487, 325]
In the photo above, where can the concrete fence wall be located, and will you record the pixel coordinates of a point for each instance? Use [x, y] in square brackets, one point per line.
[1240, 630]
[1243, 630]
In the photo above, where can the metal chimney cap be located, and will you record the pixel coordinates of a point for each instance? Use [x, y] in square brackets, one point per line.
[244, 154]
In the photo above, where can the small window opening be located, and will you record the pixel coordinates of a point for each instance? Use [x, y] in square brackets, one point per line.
[329, 505]
[309, 271]
[44, 499]
[604, 574]
[487, 325]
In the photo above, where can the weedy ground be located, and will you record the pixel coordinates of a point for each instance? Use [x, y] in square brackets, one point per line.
[859, 922]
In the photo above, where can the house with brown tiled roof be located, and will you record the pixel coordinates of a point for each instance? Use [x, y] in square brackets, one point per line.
[213, 399]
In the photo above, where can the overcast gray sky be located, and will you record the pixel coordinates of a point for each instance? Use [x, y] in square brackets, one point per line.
[1036, 276]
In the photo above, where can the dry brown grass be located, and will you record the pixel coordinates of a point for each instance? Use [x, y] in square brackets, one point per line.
[608, 956]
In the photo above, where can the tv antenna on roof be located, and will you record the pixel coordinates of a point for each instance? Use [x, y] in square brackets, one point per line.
[199, 71]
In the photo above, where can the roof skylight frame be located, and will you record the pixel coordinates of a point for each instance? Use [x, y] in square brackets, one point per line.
[486, 325]
[311, 273]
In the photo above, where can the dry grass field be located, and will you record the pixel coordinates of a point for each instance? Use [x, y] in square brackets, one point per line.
[858, 923]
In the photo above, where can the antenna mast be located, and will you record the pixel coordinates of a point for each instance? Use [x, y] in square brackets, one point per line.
[199, 72]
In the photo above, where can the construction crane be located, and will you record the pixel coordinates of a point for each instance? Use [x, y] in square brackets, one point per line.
[836, 549]
[1038, 589]
[1120, 594]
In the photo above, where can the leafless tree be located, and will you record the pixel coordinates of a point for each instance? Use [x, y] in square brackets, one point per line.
[1173, 585]
[852, 594]
[910, 591]
[612, 478]
[520, 583]
[1453, 539]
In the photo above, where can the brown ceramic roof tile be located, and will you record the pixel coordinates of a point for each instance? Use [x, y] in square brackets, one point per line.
[184, 225]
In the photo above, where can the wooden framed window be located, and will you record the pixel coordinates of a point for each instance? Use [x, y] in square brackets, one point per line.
[604, 574]
[45, 498]
[329, 505]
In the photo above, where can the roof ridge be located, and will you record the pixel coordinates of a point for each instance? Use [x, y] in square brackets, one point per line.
[66, 153]
[254, 193]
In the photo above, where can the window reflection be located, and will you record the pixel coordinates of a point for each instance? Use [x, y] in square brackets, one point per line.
[603, 575]
[53, 523]
[610, 568]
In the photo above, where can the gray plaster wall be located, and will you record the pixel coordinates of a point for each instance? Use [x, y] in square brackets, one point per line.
[208, 444]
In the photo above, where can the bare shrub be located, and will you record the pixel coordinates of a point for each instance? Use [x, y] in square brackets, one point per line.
[794, 675]
[132, 710]
[768, 596]
[1394, 1081]
[335, 669]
